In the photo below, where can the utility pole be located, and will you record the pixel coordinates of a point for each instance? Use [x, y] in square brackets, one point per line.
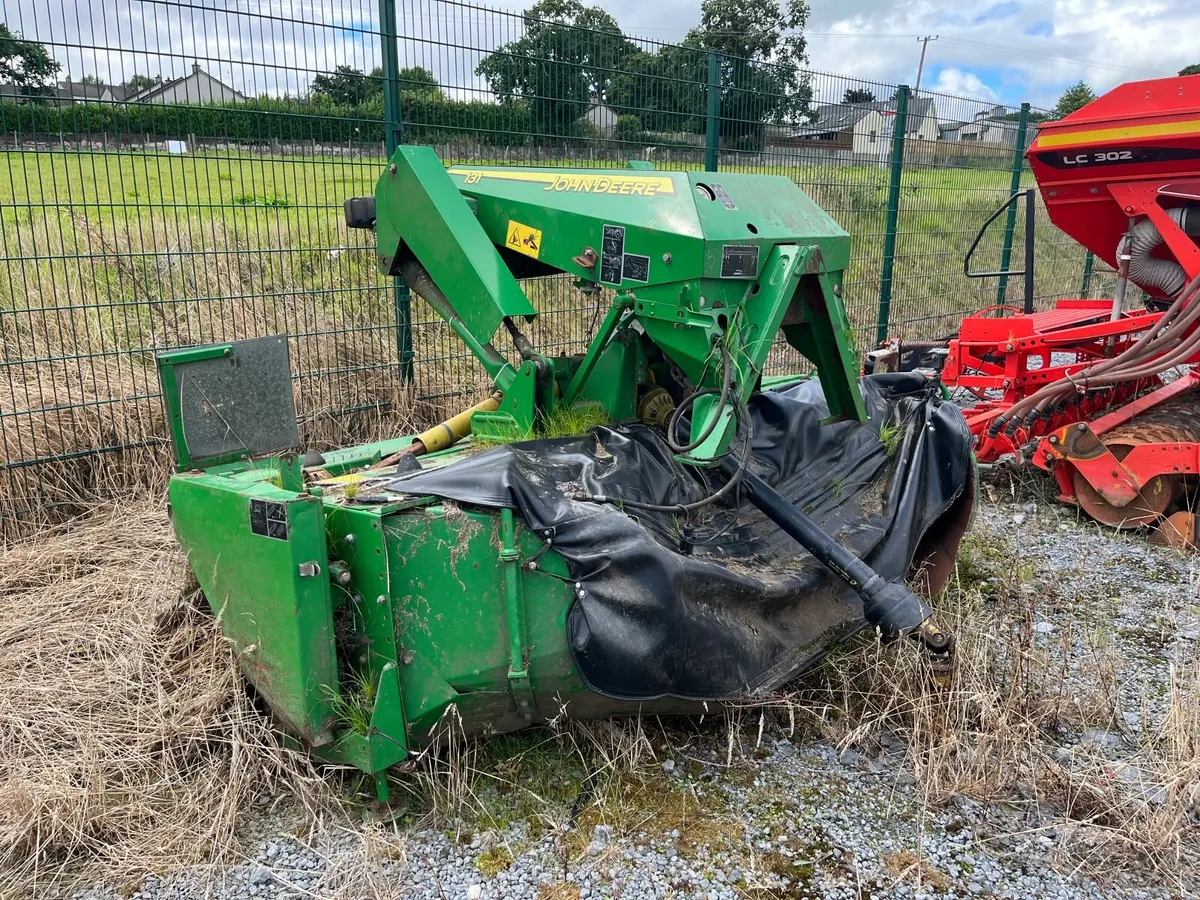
[921, 67]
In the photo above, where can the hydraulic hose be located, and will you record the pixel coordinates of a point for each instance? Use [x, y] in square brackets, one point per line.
[673, 422]
[731, 482]
[1168, 342]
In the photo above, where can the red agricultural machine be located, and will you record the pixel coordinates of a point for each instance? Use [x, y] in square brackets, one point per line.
[1099, 394]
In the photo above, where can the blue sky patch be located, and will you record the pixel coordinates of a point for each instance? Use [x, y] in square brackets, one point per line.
[1041, 29]
[998, 11]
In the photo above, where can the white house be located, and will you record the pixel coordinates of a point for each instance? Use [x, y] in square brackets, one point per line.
[862, 128]
[196, 87]
[838, 126]
[988, 127]
[922, 124]
[601, 117]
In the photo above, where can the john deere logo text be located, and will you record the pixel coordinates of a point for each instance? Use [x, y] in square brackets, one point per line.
[632, 185]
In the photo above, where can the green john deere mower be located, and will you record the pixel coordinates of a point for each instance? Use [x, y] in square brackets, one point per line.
[707, 543]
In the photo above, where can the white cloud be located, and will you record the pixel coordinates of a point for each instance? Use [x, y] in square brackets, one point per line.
[962, 84]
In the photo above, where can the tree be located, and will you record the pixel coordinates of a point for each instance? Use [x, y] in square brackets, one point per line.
[418, 81]
[762, 49]
[569, 54]
[91, 79]
[138, 83]
[858, 95]
[1075, 97]
[1035, 116]
[666, 90]
[347, 86]
[25, 64]
[627, 128]
[1193, 69]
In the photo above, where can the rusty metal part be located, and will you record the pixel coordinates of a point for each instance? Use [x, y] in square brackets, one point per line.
[1177, 530]
[1145, 509]
[1171, 423]
[1150, 503]
[934, 639]
[933, 563]
[655, 407]
[586, 259]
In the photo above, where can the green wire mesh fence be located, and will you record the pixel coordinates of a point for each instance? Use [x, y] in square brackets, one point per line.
[173, 173]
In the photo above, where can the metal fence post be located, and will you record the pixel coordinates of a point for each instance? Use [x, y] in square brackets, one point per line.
[1088, 262]
[712, 125]
[899, 127]
[1010, 220]
[393, 129]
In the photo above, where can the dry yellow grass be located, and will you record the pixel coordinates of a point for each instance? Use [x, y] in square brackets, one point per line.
[128, 742]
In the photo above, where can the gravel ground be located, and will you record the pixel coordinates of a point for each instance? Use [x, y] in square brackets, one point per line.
[794, 818]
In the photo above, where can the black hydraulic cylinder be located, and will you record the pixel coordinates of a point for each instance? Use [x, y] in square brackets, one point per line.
[892, 607]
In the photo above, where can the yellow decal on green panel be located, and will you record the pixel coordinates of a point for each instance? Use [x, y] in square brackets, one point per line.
[524, 238]
[629, 185]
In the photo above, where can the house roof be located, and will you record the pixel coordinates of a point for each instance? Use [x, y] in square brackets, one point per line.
[78, 90]
[840, 116]
[832, 117]
[72, 91]
[152, 92]
[918, 107]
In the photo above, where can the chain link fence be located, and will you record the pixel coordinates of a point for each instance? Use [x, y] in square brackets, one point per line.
[173, 174]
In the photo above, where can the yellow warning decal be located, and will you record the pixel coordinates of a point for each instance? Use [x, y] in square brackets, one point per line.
[630, 185]
[524, 239]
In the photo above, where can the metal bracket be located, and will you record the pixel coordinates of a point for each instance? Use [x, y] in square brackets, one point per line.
[519, 684]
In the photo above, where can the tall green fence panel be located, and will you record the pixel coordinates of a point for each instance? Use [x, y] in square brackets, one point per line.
[173, 173]
[178, 179]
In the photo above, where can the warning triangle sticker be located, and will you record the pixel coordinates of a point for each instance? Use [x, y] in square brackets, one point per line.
[523, 238]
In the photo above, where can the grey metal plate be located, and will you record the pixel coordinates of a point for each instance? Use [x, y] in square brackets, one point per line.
[240, 403]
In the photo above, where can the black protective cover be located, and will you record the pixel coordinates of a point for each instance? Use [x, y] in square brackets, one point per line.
[727, 605]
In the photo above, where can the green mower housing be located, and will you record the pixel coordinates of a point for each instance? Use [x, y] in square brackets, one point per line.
[368, 622]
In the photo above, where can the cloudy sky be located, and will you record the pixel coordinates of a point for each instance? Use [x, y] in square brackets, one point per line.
[1007, 51]
[1012, 50]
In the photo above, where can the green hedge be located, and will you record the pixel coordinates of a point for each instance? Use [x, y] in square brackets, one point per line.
[427, 120]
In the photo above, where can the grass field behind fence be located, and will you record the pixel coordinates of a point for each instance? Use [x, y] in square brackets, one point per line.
[111, 256]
